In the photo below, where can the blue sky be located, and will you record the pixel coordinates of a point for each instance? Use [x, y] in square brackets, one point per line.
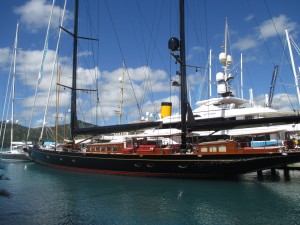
[138, 32]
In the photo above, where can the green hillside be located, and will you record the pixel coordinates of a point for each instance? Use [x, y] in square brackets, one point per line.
[20, 133]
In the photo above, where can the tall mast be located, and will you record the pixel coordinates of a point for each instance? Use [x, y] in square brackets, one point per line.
[183, 77]
[57, 107]
[225, 43]
[13, 88]
[293, 65]
[224, 77]
[210, 75]
[74, 77]
[53, 66]
[242, 82]
[179, 45]
[121, 79]
[40, 78]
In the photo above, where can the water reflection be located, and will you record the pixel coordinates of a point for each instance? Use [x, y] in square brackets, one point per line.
[43, 195]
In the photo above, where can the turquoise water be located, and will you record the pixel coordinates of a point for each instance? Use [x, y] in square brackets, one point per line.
[43, 195]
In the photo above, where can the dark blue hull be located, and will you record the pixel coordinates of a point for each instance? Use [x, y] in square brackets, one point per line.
[181, 165]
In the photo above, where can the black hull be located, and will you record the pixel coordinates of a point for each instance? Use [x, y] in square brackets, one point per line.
[185, 165]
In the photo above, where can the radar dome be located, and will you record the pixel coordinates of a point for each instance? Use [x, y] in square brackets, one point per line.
[220, 76]
[222, 57]
[221, 88]
[229, 59]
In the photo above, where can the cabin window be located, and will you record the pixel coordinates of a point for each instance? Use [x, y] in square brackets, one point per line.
[222, 148]
[114, 148]
[108, 148]
[212, 149]
[204, 149]
[102, 148]
[97, 149]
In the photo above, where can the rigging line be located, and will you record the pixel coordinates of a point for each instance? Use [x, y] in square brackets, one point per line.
[81, 111]
[145, 85]
[205, 16]
[196, 25]
[49, 132]
[98, 56]
[295, 45]
[278, 34]
[147, 80]
[101, 110]
[67, 127]
[246, 72]
[201, 87]
[154, 41]
[283, 84]
[154, 37]
[119, 44]
[91, 28]
[229, 43]
[7, 112]
[89, 66]
[170, 58]
[274, 25]
[190, 90]
[146, 55]
[198, 39]
[6, 96]
[52, 73]
[6, 116]
[91, 111]
[290, 64]
[41, 68]
[143, 36]
[264, 41]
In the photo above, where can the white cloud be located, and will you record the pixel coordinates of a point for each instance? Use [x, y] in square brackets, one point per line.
[5, 58]
[140, 88]
[281, 101]
[194, 51]
[145, 82]
[141, 79]
[28, 66]
[267, 29]
[249, 18]
[35, 14]
[281, 23]
[245, 43]
[131, 113]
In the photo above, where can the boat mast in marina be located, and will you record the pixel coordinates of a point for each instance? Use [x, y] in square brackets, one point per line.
[16, 148]
[121, 79]
[13, 89]
[293, 65]
[53, 66]
[119, 111]
[74, 74]
[183, 94]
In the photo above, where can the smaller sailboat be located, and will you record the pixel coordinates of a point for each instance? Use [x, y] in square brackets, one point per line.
[16, 151]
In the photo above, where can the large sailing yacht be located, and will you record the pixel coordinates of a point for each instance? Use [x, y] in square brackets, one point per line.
[147, 155]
